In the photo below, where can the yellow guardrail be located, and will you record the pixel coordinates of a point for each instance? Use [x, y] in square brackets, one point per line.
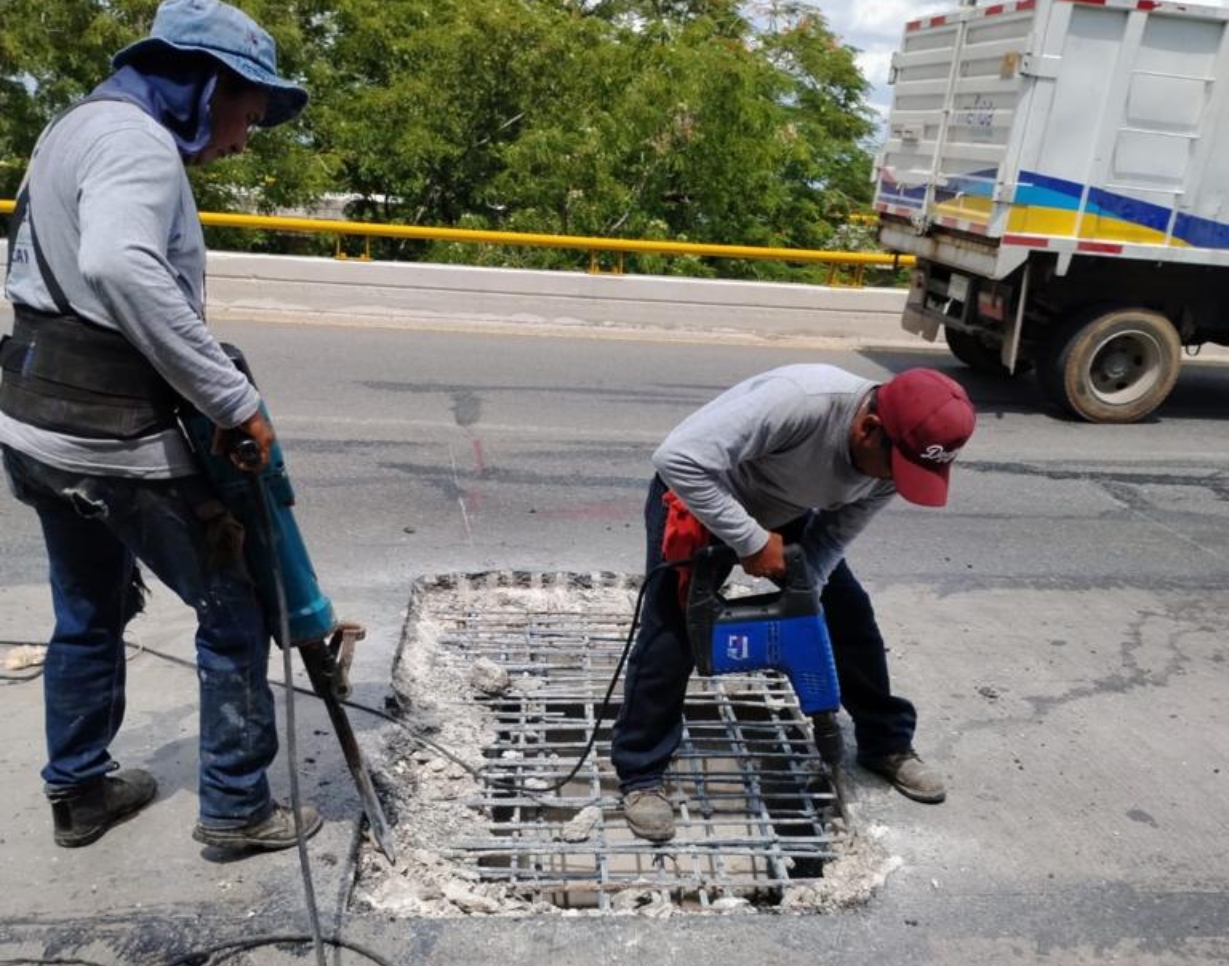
[858, 261]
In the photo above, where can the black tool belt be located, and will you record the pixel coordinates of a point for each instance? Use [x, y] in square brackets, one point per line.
[64, 374]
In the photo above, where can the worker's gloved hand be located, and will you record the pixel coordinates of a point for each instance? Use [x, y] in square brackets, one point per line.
[769, 561]
[256, 428]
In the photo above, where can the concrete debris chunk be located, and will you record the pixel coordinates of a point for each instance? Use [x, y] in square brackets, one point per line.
[528, 684]
[489, 678]
[25, 656]
[582, 824]
[658, 909]
[732, 906]
[470, 901]
[629, 900]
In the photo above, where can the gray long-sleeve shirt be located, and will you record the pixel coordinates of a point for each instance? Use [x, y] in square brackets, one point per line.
[768, 451]
[119, 229]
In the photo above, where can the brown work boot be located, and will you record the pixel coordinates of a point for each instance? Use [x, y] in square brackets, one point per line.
[909, 775]
[82, 813]
[275, 831]
[649, 814]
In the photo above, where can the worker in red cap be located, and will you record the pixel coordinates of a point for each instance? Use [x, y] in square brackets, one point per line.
[804, 454]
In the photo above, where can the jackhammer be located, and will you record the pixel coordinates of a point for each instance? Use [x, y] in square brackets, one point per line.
[781, 631]
[282, 571]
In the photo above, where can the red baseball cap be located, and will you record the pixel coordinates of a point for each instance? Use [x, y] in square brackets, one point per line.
[928, 418]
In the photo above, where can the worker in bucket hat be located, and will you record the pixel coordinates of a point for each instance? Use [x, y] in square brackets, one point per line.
[107, 280]
[228, 36]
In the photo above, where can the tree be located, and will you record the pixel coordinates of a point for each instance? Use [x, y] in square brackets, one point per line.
[639, 118]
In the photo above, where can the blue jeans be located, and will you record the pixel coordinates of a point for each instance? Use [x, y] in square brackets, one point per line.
[650, 723]
[96, 529]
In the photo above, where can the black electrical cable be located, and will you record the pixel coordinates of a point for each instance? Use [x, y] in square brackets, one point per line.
[21, 679]
[265, 522]
[319, 941]
[508, 784]
[504, 784]
[203, 956]
[50, 962]
[356, 705]
[533, 791]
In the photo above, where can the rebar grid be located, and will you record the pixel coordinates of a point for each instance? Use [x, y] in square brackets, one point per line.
[746, 780]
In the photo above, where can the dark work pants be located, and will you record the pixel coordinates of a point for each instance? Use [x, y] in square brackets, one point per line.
[96, 529]
[650, 723]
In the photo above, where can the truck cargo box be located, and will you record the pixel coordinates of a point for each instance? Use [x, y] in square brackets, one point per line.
[1060, 168]
[1079, 126]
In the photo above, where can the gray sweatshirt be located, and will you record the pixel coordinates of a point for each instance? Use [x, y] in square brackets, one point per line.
[118, 226]
[768, 451]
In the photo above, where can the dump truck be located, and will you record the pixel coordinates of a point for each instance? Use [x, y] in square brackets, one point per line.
[1060, 170]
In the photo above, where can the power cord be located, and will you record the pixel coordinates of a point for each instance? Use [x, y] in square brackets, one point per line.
[201, 957]
[536, 790]
[530, 791]
[265, 521]
[316, 937]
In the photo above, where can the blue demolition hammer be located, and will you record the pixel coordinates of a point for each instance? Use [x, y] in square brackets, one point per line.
[782, 631]
[298, 613]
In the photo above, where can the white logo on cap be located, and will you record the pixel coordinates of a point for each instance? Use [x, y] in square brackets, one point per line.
[937, 454]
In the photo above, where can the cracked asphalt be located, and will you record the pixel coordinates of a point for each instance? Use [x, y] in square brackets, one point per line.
[1061, 626]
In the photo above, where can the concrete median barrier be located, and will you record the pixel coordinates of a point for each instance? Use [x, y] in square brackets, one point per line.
[394, 294]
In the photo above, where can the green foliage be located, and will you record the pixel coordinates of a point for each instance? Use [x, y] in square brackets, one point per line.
[670, 119]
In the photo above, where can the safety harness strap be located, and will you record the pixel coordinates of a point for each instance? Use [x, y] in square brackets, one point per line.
[20, 211]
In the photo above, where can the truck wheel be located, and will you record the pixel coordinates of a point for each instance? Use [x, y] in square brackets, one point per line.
[978, 356]
[1113, 367]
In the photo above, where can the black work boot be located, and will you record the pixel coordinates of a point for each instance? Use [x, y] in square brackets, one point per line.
[82, 813]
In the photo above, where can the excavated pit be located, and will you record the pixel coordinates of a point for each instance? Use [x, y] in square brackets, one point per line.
[507, 673]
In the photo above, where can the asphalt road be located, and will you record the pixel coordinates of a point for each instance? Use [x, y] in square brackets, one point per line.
[1061, 626]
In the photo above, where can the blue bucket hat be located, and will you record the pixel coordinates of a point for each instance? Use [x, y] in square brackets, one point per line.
[229, 36]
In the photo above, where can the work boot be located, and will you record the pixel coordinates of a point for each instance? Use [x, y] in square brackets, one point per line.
[274, 831]
[82, 813]
[909, 774]
[649, 814]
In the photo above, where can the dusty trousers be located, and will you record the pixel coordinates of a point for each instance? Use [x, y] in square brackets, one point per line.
[96, 530]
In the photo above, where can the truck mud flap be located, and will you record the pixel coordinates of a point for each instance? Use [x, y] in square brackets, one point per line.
[917, 318]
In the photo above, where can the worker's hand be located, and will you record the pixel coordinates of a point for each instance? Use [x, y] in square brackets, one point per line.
[769, 561]
[256, 428]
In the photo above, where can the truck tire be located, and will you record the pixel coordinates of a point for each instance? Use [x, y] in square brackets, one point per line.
[978, 356]
[1114, 366]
